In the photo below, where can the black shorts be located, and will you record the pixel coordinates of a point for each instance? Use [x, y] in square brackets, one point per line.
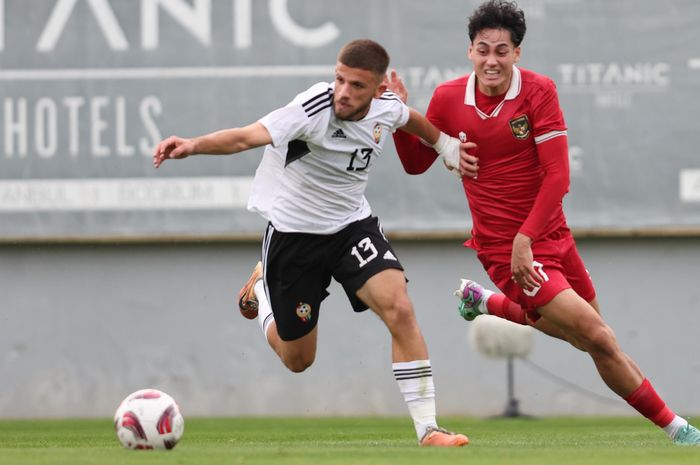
[297, 269]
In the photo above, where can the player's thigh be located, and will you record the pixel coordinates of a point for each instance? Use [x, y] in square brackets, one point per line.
[362, 253]
[301, 350]
[296, 279]
[385, 293]
[570, 312]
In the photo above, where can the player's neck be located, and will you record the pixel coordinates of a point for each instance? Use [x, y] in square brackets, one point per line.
[487, 103]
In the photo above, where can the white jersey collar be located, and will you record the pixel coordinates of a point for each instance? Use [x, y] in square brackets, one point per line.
[513, 92]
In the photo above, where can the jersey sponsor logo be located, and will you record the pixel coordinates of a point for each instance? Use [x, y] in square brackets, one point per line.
[377, 133]
[303, 311]
[520, 127]
[338, 134]
[389, 256]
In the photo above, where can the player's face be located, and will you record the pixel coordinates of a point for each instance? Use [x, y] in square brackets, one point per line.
[354, 90]
[493, 55]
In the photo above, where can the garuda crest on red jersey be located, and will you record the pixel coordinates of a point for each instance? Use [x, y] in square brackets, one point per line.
[520, 127]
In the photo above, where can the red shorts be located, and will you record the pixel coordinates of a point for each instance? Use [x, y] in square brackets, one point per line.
[557, 261]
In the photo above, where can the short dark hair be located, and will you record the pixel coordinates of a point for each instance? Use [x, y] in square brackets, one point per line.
[498, 14]
[365, 54]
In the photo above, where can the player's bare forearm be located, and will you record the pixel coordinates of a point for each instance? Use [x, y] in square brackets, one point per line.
[453, 153]
[224, 142]
[229, 141]
[419, 125]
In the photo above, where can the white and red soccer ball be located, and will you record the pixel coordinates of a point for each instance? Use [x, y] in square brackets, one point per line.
[149, 419]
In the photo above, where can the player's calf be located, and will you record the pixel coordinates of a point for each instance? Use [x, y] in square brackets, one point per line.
[247, 300]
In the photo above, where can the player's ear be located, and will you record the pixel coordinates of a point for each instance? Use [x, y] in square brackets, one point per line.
[517, 54]
[382, 87]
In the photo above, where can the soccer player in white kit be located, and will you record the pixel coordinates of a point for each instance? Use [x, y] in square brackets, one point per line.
[310, 187]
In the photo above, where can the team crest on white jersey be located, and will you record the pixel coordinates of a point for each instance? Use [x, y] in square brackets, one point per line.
[377, 132]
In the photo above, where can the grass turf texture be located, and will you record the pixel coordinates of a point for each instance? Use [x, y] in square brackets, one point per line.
[312, 441]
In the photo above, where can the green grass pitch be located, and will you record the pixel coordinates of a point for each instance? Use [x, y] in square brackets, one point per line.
[312, 441]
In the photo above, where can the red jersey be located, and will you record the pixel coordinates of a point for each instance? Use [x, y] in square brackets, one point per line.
[523, 158]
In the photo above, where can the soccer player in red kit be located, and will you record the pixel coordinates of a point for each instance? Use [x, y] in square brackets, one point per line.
[517, 175]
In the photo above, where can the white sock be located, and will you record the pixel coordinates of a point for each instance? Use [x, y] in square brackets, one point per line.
[415, 381]
[676, 424]
[265, 316]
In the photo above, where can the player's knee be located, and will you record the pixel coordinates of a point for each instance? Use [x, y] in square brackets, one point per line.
[600, 340]
[398, 313]
[298, 363]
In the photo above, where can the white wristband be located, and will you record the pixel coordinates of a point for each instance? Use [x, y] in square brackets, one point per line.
[448, 148]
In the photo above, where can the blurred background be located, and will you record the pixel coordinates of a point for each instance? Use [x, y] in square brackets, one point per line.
[115, 277]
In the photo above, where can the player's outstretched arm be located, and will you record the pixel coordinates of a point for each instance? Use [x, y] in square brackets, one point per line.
[224, 142]
[453, 152]
[444, 145]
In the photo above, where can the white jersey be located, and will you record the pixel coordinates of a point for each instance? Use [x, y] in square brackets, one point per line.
[312, 178]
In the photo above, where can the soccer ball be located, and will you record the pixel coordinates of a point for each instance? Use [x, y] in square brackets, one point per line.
[149, 419]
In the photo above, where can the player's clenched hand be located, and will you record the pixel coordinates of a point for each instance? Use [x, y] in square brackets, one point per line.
[172, 147]
[524, 273]
[395, 84]
[469, 162]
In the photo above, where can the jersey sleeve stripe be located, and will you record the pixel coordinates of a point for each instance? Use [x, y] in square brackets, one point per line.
[318, 103]
[310, 108]
[547, 136]
[322, 95]
[319, 110]
[389, 95]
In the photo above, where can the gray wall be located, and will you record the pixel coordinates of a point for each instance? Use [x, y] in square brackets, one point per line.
[83, 101]
[83, 325]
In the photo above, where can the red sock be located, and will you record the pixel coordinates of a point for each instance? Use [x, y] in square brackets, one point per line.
[647, 402]
[501, 306]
